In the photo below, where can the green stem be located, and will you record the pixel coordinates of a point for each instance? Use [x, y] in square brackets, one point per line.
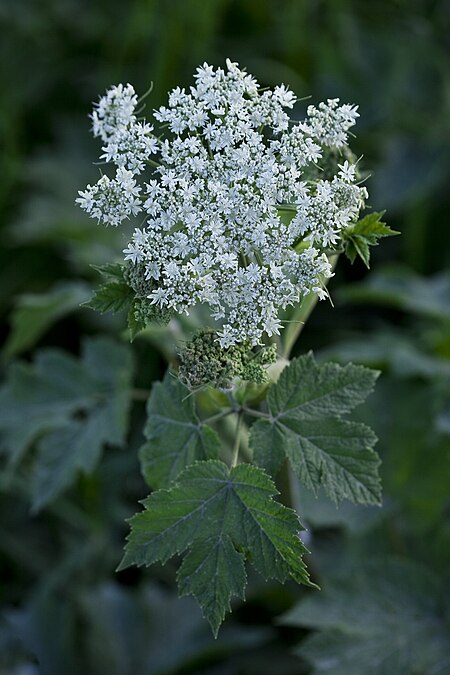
[287, 481]
[218, 416]
[153, 163]
[301, 315]
[297, 323]
[237, 440]
[254, 413]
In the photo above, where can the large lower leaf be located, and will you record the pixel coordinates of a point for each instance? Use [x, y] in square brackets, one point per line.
[304, 425]
[218, 515]
[176, 437]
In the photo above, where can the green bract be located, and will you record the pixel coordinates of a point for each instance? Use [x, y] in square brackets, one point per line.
[365, 233]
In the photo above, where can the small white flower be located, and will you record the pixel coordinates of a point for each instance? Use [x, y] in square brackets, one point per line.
[272, 326]
[284, 96]
[347, 172]
[133, 253]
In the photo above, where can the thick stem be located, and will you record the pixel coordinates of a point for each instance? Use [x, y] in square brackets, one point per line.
[254, 413]
[287, 482]
[237, 440]
[301, 315]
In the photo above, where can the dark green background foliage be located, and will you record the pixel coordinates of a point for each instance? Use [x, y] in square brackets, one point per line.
[72, 407]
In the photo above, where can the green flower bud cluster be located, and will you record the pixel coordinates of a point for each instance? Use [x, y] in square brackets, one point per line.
[135, 277]
[145, 313]
[204, 362]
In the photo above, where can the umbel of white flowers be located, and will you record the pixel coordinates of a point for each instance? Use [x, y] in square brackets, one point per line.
[240, 202]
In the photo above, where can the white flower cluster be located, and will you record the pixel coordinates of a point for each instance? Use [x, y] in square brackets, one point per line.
[229, 200]
[110, 201]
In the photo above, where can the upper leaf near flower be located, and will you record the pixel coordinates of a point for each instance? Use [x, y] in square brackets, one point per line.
[365, 233]
[305, 426]
[176, 436]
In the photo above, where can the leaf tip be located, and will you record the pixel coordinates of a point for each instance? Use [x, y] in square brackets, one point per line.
[124, 563]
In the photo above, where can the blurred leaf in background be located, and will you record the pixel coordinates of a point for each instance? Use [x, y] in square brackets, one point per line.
[388, 617]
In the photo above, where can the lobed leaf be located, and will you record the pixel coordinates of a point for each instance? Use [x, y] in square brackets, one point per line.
[213, 571]
[176, 437]
[219, 516]
[365, 233]
[305, 426]
[114, 296]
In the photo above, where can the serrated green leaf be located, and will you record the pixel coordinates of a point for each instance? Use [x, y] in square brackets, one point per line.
[361, 246]
[68, 408]
[350, 250]
[34, 314]
[305, 426]
[372, 226]
[267, 441]
[176, 437]
[383, 618]
[110, 271]
[135, 325]
[209, 503]
[213, 571]
[365, 233]
[114, 296]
